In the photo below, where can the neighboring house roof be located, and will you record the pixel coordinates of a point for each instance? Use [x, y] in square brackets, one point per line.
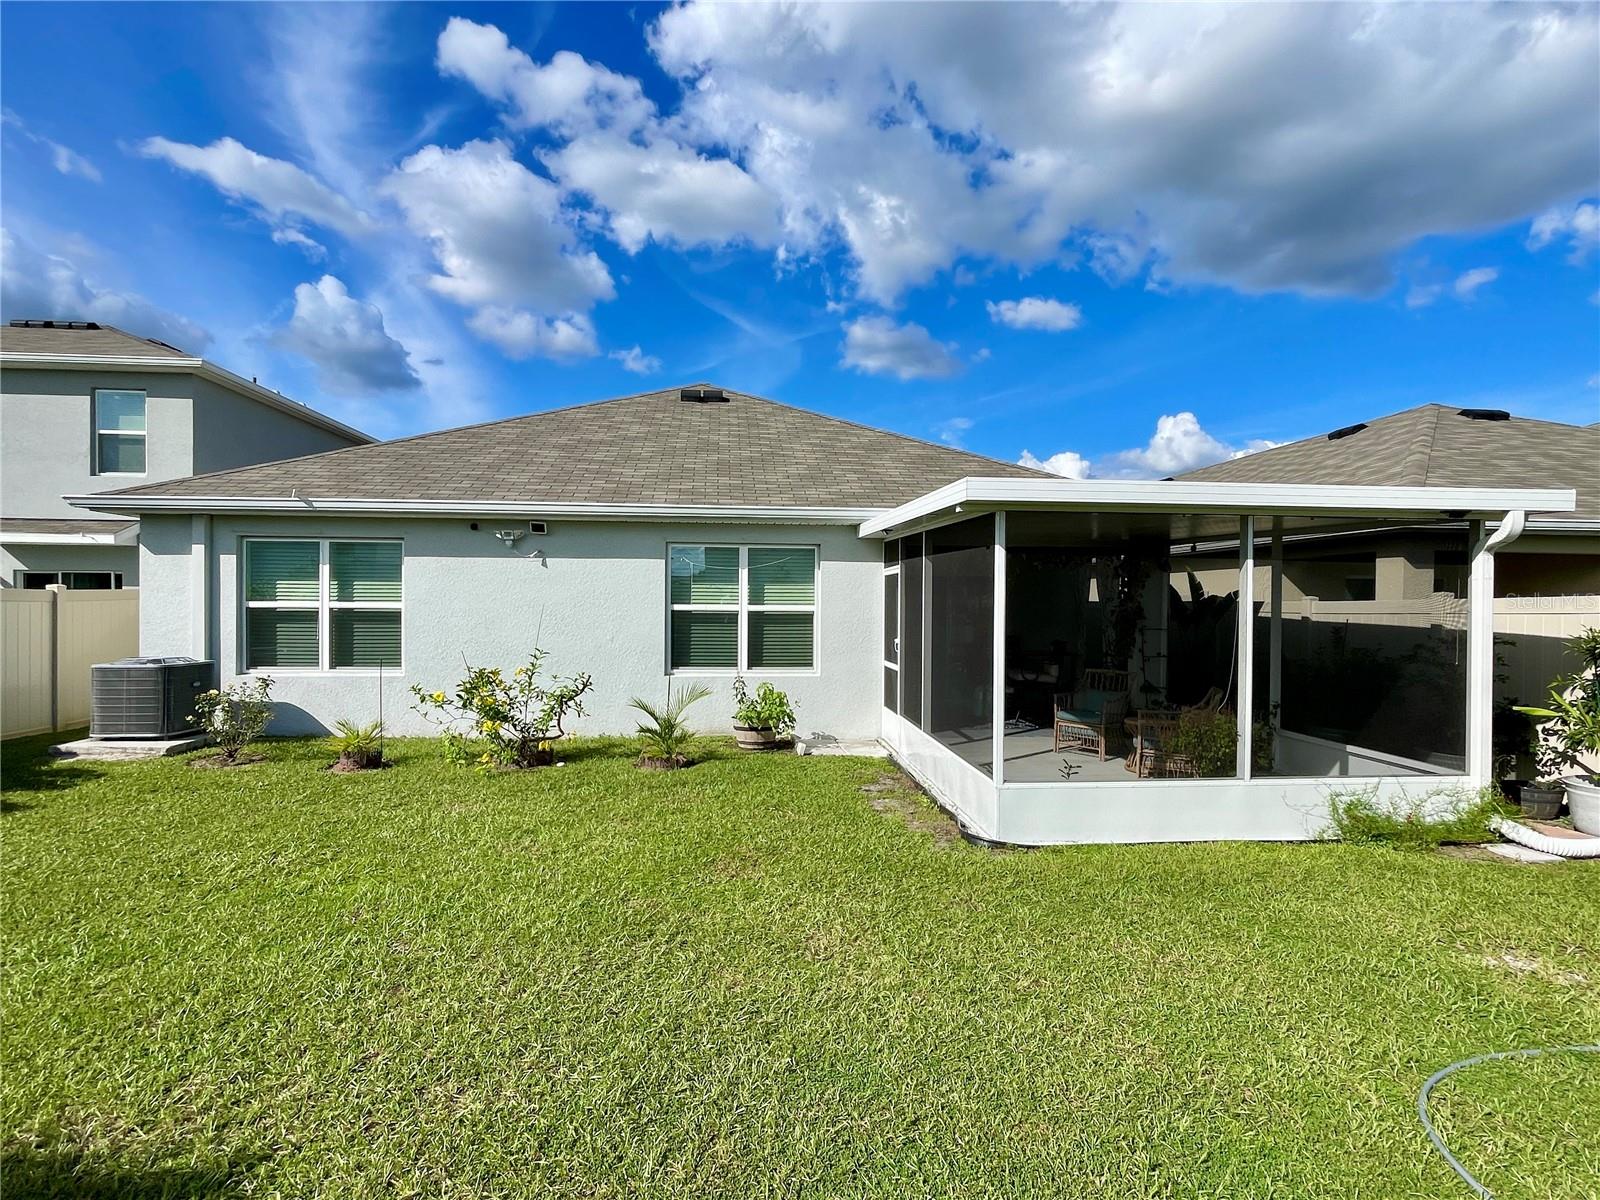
[88, 345]
[80, 337]
[66, 530]
[1435, 445]
[652, 449]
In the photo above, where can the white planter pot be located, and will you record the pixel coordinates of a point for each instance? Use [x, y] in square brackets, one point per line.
[1584, 800]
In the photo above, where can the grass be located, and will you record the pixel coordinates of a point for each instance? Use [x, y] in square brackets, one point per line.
[749, 978]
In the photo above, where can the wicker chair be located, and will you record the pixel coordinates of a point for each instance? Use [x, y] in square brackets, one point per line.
[1151, 731]
[1091, 717]
[1152, 734]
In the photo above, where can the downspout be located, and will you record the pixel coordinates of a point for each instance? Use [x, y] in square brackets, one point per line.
[1509, 531]
[1480, 646]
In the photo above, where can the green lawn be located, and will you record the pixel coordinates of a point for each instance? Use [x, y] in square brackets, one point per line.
[750, 978]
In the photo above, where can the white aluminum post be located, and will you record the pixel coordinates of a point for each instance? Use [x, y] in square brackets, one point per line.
[1480, 657]
[1246, 649]
[998, 754]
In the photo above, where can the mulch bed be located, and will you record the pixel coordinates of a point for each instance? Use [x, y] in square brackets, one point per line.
[216, 760]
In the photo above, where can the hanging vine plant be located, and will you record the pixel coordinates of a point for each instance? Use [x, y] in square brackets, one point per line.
[1125, 610]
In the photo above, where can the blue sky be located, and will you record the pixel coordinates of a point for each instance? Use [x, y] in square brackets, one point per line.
[1123, 241]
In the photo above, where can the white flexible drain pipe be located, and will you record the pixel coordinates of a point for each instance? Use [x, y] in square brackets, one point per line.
[1562, 847]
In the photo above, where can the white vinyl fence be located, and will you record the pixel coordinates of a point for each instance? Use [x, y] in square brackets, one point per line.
[1531, 635]
[1530, 632]
[48, 641]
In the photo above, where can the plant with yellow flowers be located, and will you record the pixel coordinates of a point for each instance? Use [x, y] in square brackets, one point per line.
[494, 721]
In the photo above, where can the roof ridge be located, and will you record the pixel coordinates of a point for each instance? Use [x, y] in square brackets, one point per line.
[1421, 452]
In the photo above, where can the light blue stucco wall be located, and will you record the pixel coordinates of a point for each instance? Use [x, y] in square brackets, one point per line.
[47, 448]
[597, 601]
[231, 430]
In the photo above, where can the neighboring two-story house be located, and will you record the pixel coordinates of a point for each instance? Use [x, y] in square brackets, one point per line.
[88, 408]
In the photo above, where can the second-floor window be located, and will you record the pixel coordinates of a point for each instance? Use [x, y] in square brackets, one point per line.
[119, 432]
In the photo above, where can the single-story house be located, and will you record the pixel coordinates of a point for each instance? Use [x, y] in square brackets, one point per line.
[1032, 649]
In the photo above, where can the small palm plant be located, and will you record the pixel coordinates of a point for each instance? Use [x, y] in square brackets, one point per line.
[360, 747]
[666, 735]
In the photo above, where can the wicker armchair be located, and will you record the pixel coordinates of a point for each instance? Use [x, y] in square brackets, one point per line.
[1091, 717]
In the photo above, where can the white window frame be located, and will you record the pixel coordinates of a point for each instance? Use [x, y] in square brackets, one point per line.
[97, 433]
[325, 605]
[744, 608]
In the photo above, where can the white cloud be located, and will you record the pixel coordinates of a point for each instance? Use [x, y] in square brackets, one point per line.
[1025, 133]
[64, 159]
[524, 335]
[1035, 312]
[1067, 464]
[289, 236]
[953, 432]
[346, 341]
[877, 346]
[1179, 444]
[278, 190]
[636, 360]
[568, 94]
[505, 246]
[1468, 282]
[1464, 288]
[1421, 295]
[47, 286]
[1579, 224]
[666, 192]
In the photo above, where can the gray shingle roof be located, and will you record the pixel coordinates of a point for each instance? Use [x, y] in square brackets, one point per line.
[652, 448]
[61, 525]
[81, 338]
[1434, 445]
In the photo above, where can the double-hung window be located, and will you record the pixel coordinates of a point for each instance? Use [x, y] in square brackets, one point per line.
[322, 605]
[743, 608]
[119, 432]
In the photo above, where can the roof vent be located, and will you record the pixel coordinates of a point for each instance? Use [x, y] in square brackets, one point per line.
[1347, 431]
[1484, 414]
[701, 394]
[55, 325]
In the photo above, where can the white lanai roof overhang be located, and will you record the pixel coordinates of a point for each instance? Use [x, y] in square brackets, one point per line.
[967, 497]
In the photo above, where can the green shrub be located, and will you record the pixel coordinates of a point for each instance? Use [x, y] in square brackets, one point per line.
[236, 715]
[768, 709]
[1209, 739]
[1415, 823]
[508, 722]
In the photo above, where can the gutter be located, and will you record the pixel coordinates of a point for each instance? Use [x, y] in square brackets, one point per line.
[134, 505]
[190, 366]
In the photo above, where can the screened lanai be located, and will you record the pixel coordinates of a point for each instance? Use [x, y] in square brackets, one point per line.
[1069, 660]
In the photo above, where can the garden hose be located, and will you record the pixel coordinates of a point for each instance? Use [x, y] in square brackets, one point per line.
[1437, 1076]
